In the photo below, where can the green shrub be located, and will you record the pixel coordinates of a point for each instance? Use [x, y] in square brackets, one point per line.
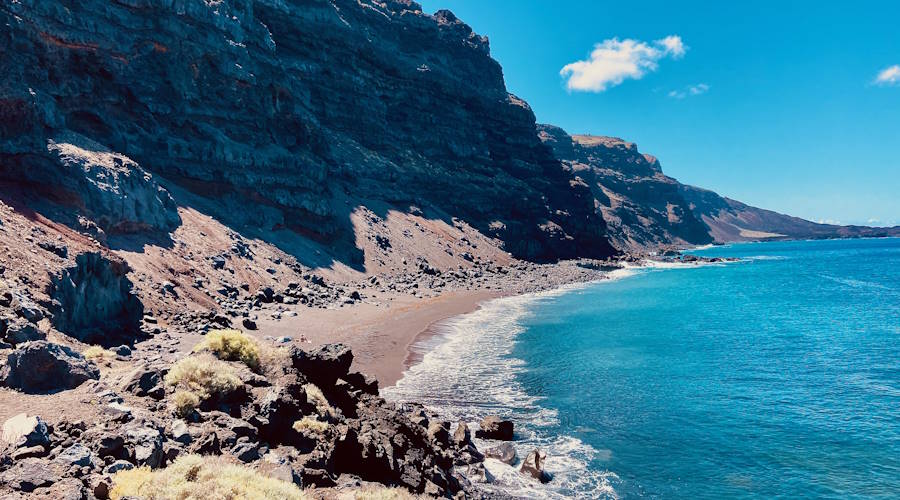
[231, 345]
[192, 477]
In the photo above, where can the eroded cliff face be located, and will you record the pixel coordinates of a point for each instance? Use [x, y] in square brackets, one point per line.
[646, 210]
[643, 207]
[299, 108]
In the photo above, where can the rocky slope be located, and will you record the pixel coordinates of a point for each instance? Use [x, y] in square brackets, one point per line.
[645, 209]
[642, 206]
[304, 109]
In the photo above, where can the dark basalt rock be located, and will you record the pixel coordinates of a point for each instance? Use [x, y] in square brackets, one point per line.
[285, 104]
[493, 427]
[17, 330]
[41, 367]
[94, 302]
[323, 365]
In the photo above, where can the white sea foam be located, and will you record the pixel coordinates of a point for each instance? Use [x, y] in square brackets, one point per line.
[468, 373]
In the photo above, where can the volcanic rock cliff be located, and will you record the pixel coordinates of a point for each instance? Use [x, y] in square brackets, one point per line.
[303, 109]
[645, 209]
[642, 206]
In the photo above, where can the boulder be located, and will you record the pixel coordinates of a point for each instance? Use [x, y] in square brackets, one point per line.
[462, 436]
[504, 452]
[76, 455]
[144, 445]
[323, 365]
[66, 489]
[534, 466]
[478, 473]
[117, 466]
[41, 367]
[145, 381]
[29, 474]
[18, 331]
[439, 433]
[94, 301]
[23, 431]
[493, 427]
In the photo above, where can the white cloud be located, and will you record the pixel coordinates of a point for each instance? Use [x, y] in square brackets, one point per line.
[889, 76]
[613, 61]
[673, 45]
[698, 89]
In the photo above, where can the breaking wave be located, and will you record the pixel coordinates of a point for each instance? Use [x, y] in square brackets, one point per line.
[468, 373]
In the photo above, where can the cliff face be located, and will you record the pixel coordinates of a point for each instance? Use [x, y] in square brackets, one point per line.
[298, 108]
[645, 209]
[642, 207]
[730, 220]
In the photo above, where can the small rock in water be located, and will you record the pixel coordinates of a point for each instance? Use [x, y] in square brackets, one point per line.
[505, 453]
[534, 466]
[493, 427]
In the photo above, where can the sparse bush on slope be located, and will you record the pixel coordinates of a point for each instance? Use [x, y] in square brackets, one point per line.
[231, 345]
[192, 477]
[197, 379]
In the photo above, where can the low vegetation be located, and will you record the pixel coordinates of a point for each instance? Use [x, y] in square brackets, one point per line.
[309, 424]
[199, 378]
[195, 477]
[315, 396]
[184, 403]
[98, 355]
[232, 345]
[377, 492]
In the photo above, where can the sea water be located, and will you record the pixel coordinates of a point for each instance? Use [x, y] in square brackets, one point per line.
[776, 376]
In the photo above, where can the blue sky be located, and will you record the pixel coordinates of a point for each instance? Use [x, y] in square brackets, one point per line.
[777, 104]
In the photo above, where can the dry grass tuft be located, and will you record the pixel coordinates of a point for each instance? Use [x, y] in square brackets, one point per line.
[231, 345]
[99, 355]
[378, 492]
[204, 376]
[184, 403]
[315, 396]
[192, 477]
[310, 424]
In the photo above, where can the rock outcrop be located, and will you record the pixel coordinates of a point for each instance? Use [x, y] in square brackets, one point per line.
[281, 424]
[296, 106]
[94, 303]
[643, 207]
[41, 367]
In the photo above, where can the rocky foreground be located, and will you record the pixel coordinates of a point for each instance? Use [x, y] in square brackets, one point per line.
[282, 413]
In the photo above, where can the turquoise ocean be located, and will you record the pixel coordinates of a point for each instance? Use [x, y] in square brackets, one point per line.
[774, 377]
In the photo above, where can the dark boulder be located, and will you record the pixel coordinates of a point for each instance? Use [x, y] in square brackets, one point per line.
[40, 367]
[29, 474]
[323, 365]
[495, 428]
[94, 302]
[462, 436]
[17, 331]
[145, 381]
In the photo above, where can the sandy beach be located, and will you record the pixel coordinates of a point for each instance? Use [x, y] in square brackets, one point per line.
[380, 333]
